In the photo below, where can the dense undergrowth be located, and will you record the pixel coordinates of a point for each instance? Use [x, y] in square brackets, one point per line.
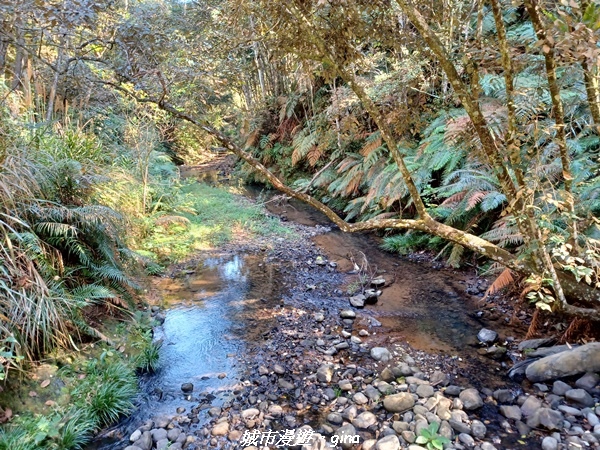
[320, 138]
[88, 206]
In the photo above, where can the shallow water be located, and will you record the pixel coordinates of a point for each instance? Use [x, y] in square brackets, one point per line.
[212, 312]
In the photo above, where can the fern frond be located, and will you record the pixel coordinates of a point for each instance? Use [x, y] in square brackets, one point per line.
[503, 280]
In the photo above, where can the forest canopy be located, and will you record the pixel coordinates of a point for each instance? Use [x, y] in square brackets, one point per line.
[471, 127]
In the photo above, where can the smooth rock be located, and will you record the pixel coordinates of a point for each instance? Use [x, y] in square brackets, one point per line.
[387, 375]
[398, 402]
[549, 418]
[589, 382]
[284, 384]
[466, 439]
[381, 354]
[530, 405]
[250, 413]
[504, 396]
[549, 443]
[579, 397]
[145, 441]
[187, 387]
[470, 399]
[364, 420]
[335, 418]
[390, 442]
[358, 301]
[560, 388]
[360, 398]
[487, 336]
[348, 314]
[478, 429]
[173, 434]
[511, 412]
[535, 343]
[220, 429]
[425, 391]
[585, 358]
[135, 436]
[158, 434]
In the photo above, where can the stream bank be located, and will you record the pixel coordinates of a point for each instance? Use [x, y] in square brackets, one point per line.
[285, 352]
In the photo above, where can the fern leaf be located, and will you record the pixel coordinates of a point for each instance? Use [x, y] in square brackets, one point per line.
[504, 279]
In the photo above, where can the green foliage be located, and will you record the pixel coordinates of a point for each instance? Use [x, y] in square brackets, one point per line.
[148, 351]
[215, 216]
[108, 389]
[430, 437]
[9, 356]
[99, 397]
[409, 242]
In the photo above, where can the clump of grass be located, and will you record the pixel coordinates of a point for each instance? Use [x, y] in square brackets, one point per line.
[108, 389]
[99, 396]
[148, 352]
[215, 216]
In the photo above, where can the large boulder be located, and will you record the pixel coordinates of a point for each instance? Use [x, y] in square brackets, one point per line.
[566, 363]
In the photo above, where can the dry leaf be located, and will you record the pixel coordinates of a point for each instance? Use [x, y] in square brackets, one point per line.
[50, 403]
[44, 383]
[8, 413]
[32, 394]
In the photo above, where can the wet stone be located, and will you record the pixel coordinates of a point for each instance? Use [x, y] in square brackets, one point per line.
[487, 336]
[158, 434]
[135, 436]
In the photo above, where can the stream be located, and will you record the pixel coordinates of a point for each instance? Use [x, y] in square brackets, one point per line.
[215, 312]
